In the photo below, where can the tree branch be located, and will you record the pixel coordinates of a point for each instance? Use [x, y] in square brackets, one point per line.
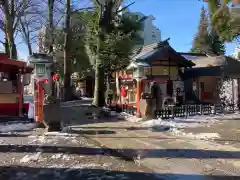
[122, 9]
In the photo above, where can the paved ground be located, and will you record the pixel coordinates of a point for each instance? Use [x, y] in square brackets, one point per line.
[32, 155]
[88, 151]
[174, 157]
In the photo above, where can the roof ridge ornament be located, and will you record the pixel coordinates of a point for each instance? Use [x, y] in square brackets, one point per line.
[163, 43]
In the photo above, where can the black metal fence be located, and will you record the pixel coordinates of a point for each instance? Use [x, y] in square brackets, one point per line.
[182, 111]
[129, 109]
[191, 110]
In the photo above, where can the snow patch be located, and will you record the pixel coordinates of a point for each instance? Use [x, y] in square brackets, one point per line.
[200, 136]
[87, 98]
[176, 125]
[16, 127]
[30, 157]
[57, 156]
[59, 134]
[129, 117]
[90, 165]
[66, 157]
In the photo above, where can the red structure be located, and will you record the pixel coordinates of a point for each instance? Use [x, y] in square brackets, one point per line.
[11, 86]
[38, 99]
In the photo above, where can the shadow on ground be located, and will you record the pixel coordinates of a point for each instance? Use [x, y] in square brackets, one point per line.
[78, 116]
[92, 132]
[125, 153]
[14, 134]
[31, 173]
[153, 129]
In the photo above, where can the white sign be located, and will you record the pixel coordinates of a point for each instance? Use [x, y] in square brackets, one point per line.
[194, 86]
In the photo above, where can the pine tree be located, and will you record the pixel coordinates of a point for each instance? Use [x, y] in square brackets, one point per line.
[224, 20]
[217, 46]
[207, 40]
[201, 42]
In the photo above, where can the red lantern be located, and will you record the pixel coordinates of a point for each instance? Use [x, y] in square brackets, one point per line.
[55, 77]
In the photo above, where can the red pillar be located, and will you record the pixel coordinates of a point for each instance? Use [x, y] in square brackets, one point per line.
[139, 91]
[20, 93]
[35, 100]
[40, 101]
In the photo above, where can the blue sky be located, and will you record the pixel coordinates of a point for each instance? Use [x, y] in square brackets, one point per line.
[177, 19]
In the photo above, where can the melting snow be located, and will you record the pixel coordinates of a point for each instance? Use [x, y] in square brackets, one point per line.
[30, 157]
[16, 127]
[57, 156]
[176, 125]
[129, 117]
[66, 157]
[60, 134]
[90, 165]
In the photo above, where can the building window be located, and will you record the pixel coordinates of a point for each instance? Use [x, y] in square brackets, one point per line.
[154, 36]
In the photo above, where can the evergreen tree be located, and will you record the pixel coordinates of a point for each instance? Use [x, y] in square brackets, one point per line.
[224, 20]
[207, 40]
[217, 46]
[201, 42]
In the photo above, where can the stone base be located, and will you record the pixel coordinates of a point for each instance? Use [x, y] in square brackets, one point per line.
[40, 125]
[54, 127]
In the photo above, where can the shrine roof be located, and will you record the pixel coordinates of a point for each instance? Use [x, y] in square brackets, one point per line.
[213, 65]
[160, 51]
[7, 65]
[40, 58]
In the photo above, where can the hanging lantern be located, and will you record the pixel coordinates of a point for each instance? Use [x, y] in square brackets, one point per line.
[45, 80]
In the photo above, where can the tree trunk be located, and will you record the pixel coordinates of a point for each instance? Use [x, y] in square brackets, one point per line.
[67, 64]
[99, 90]
[30, 52]
[10, 39]
[6, 46]
[107, 88]
[9, 28]
[99, 94]
[117, 86]
[50, 25]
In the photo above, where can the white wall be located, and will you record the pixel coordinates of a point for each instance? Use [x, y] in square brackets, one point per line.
[237, 53]
[150, 33]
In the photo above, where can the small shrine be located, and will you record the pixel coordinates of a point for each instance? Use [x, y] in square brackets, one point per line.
[157, 63]
[14, 75]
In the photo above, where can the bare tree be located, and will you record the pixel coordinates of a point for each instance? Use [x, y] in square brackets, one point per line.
[13, 14]
[30, 25]
[9, 26]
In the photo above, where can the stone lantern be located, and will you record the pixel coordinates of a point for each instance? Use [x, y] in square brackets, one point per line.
[42, 64]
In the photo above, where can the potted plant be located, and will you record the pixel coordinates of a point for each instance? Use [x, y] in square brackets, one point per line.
[51, 113]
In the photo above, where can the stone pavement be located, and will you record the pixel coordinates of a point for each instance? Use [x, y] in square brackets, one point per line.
[172, 157]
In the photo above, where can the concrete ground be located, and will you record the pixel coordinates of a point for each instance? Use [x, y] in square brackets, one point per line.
[60, 156]
[106, 149]
[177, 157]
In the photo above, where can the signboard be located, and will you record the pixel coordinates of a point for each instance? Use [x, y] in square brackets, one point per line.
[40, 69]
[163, 70]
